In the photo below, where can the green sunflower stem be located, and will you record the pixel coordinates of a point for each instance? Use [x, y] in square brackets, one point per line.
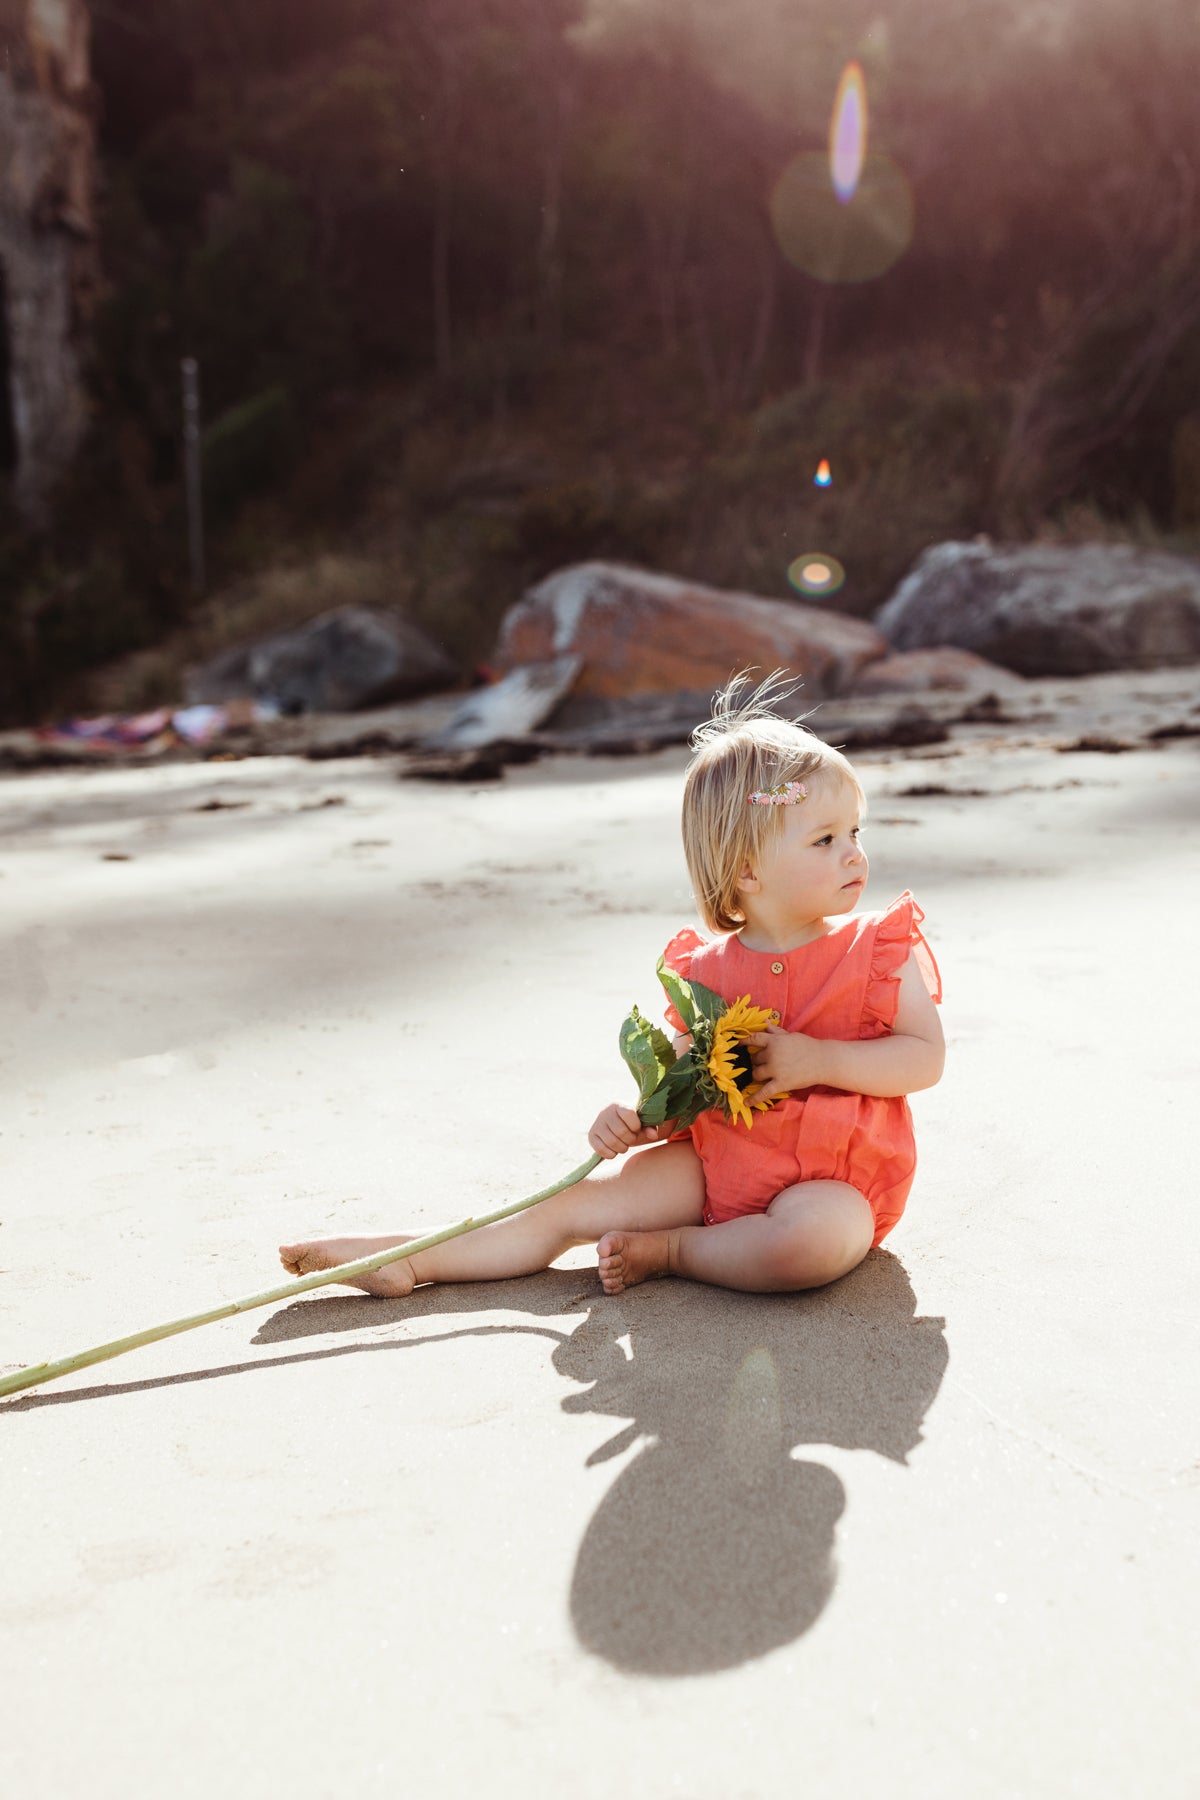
[287, 1290]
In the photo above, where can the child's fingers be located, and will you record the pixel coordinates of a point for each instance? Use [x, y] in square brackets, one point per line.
[616, 1130]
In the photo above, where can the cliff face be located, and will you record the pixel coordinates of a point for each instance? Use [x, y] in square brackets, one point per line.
[48, 257]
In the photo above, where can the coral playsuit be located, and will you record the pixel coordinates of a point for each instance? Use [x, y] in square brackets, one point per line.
[844, 985]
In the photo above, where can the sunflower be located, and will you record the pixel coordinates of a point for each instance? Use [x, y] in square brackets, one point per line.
[729, 1061]
[716, 1072]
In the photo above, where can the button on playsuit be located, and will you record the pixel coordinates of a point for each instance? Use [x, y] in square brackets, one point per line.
[845, 985]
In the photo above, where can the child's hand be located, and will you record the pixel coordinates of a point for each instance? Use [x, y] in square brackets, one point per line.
[784, 1061]
[618, 1129]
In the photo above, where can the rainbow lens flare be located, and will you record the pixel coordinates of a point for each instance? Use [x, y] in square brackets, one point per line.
[824, 474]
[848, 133]
[817, 574]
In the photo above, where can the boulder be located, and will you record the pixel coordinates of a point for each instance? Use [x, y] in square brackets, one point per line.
[944, 669]
[352, 657]
[638, 632]
[1051, 609]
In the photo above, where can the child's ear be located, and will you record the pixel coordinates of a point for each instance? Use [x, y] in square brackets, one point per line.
[747, 881]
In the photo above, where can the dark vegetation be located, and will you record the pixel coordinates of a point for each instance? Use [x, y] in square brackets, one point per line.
[477, 290]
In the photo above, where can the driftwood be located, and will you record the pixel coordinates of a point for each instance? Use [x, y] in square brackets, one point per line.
[510, 709]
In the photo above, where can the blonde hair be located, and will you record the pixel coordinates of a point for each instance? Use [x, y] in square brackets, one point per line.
[742, 749]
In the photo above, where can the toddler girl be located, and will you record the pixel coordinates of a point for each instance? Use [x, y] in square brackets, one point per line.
[772, 821]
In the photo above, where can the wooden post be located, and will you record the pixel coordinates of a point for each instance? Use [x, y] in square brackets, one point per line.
[192, 472]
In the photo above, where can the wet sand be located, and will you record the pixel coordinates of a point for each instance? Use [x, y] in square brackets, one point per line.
[931, 1530]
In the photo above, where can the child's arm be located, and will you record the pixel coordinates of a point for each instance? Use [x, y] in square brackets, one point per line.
[910, 1059]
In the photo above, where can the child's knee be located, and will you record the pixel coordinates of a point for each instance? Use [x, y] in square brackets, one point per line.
[826, 1230]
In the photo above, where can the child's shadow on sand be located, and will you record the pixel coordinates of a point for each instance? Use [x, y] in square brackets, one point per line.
[714, 1545]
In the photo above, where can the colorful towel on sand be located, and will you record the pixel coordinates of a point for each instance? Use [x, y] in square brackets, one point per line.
[160, 729]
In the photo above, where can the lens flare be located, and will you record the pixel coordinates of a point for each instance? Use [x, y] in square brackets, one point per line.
[824, 475]
[755, 1445]
[848, 133]
[816, 573]
[836, 241]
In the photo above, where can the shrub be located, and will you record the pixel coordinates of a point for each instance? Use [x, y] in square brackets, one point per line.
[247, 449]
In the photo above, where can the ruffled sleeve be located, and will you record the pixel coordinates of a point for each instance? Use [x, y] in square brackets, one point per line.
[897, 934]
[678, 956]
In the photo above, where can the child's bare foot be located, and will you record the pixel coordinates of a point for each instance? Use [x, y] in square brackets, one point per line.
[627, 1257]
[394, 1280]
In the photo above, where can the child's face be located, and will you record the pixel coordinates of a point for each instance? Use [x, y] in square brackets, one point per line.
[817, 866]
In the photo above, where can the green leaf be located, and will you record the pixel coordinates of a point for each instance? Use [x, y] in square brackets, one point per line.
[654, 1111]
[679, 993]
[647, 1052]
[639, 1057]
[683, 1073]
[682, 1101]
[685, 1109]
[708, 1003]
[691, 998]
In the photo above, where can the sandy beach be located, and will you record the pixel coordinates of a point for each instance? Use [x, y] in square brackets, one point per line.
[930, 1532]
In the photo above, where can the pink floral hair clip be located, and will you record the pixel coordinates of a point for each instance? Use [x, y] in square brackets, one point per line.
[789, 793]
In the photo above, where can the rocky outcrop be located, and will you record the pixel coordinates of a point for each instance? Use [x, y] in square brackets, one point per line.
[48, 259]
[638, 632]
[943, 670]
[343, 660]
[1050, 609]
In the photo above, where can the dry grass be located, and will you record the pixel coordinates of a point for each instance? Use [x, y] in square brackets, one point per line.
[273, 599]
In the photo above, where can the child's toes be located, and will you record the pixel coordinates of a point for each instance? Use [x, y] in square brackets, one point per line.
[611, 1269]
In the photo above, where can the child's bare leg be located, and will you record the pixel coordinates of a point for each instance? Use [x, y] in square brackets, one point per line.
[656, 1188]
[811, 1233]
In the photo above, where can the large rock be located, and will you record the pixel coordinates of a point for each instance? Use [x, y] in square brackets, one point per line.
[943, 670]
[1049, 609]
[338, 662]
[638, 632]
